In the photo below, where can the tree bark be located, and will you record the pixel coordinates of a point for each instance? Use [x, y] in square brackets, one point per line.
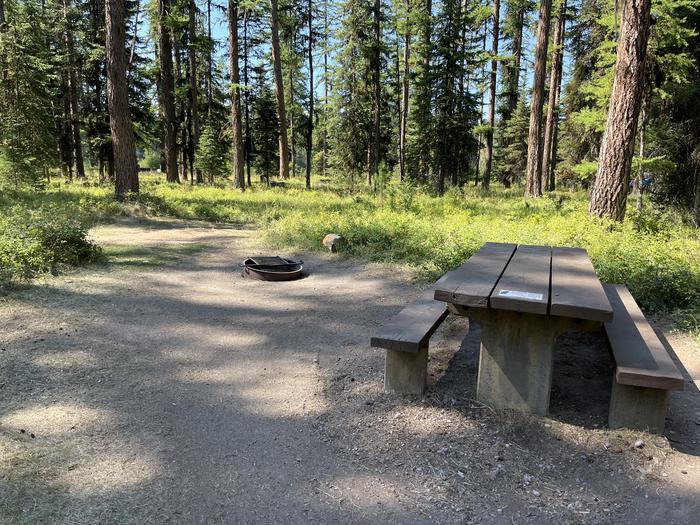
[424, 98]
[377, 90]
[609, 195]
[403, 115]
[166, 93]
[481, 111]
[123, 143]
[488, 155]
[279, 91]
[73, 88]
[194, 92]
[325, 88]
[310, 129]
[534, 141]
[552, 120]
[248, 146]
[238, 165]
[210, 61]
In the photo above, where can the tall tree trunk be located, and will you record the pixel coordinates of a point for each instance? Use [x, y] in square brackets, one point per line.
[238, 172]
[552, 121]
[123, 143]
[248, 140]
[403, 116]
[73, 88]
[534, 140]
[377, 91]
[481, 112]
[166, 92]
[609, 195]
[194, 91]
[310, 129]
[181, 128]
[292, 131]
[210, 61]
[325, 88]
[488, 154]
[279, 91]
[425, 93]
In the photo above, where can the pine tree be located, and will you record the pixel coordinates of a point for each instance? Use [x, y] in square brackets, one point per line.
[123, 144]
[609, 196]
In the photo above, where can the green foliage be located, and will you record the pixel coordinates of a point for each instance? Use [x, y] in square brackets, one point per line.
[213, 152]
[265, 139]
[38, 236]
[653, 253]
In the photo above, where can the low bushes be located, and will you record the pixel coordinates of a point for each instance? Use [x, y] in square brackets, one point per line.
[654, 253]
[39, 236]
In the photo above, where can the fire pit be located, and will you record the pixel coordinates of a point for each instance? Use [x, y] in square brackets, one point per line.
[272, 269]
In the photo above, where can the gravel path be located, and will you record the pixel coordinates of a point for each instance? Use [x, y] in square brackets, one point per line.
[164, 388]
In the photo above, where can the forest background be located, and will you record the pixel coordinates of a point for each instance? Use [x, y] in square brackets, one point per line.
[418, 126]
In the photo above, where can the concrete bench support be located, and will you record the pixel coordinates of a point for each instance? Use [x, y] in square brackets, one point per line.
[638, 408]
[517, 355]
[406, 372]
[644, 371]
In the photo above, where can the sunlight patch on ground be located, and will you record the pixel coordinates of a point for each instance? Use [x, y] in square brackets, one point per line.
[67, 358]
[111, 470]
[261, 391]
[56, 419]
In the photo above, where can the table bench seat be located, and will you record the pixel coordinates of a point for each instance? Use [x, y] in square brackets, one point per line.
[406, 339]
[644, 370]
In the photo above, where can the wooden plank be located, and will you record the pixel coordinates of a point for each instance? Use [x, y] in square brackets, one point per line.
[413, 326]
[640, 356]
[576, 290]
[524, 285]
[472, 283]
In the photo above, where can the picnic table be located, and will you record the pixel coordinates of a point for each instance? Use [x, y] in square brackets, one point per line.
[524, 297]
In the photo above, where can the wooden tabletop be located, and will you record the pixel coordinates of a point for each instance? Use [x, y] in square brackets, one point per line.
[532, 279]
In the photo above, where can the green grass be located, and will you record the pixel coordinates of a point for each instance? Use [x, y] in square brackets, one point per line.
[656, 254]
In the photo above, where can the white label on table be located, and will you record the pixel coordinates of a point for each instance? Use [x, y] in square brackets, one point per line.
[520, 295]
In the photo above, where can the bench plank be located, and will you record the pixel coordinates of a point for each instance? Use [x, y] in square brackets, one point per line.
[524, 286]
[576, 290]
[640, 356]
[412, 327]
[472, 283]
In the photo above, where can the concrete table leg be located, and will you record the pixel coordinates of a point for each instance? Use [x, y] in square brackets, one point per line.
[517, 355]
[638, 408]
[406, 372]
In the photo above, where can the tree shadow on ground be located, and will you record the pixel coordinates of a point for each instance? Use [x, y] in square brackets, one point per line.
[192, 395]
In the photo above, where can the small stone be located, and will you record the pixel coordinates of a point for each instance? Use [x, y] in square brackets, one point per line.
[536, 493]
[639, 444]
[684, 471]
[332, 241]
[443, 450]
[528, 478]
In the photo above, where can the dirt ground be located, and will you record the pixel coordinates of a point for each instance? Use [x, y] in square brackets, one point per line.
[162, 387]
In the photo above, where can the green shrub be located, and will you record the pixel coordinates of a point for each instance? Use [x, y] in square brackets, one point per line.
[41, 237]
